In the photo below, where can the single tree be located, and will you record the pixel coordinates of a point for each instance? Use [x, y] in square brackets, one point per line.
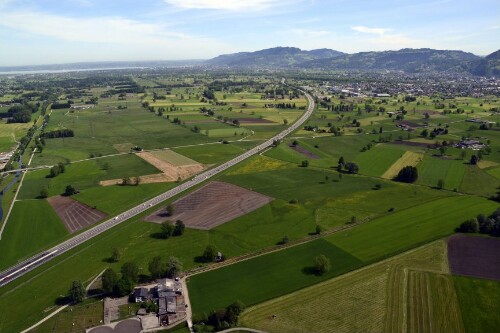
[170, 210]
[321, 264]
[157, 267]
[123, 287]
[174, 267]
[70, 190]
[167, 229]
[210, 253]
[233, 311]
[473, 160]
[76, 292]
[318, 229]
[130, 271]
[304, 164]
[179, 228]
[440, 184]
[116, 255]
[408, 174]
[44, 193]
[109, 279]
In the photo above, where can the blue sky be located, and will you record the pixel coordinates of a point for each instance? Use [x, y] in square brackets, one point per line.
[62, 31]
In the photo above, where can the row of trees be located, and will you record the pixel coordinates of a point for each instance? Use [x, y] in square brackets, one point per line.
[158, 268]
[121, 285]
[21, 113]
[482, 224]
[60, 133]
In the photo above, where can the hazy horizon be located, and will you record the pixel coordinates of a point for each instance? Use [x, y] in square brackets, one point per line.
[48, 32]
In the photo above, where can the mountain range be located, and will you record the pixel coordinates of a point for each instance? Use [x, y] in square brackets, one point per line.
[406, 60]
[274, 57]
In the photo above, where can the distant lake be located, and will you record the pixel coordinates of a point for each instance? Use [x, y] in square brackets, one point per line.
[49, 71]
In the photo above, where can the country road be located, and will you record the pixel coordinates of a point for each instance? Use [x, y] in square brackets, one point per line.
[37, 260]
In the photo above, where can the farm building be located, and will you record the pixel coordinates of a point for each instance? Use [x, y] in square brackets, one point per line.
[82, 106]
[471, 144]
[141, 295]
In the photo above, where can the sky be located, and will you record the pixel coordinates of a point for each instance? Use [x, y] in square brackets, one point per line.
[36, 32]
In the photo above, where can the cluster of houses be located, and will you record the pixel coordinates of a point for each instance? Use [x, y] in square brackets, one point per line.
[81, 106]
[168, 296]
[479, 121]
[470, 144]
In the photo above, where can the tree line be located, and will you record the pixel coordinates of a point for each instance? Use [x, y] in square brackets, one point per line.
[489, 225]
[60, 133]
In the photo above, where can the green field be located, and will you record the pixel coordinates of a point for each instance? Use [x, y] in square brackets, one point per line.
[495, 172]
[84, 175]
[134, 238]
[377, 160]
[265, 277]
[329, 149]
[327, 203]
[479, 302]
[432, 169]
[477, 181]
[116, 199]
[412, 291]
[97, 132]
[411, 227]
[213, 153]
[375, 298]
[74, 319]
[11, 133]
[32, 226]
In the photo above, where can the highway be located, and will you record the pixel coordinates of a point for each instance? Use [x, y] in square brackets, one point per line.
[29, 264]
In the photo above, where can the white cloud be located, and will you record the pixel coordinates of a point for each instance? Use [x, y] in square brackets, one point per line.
[366, 30]
[109, 37]
[234, 5]
[93, 30]
[384, 39]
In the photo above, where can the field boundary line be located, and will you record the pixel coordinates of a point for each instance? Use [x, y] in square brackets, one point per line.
[272, 249]
[15, 196]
